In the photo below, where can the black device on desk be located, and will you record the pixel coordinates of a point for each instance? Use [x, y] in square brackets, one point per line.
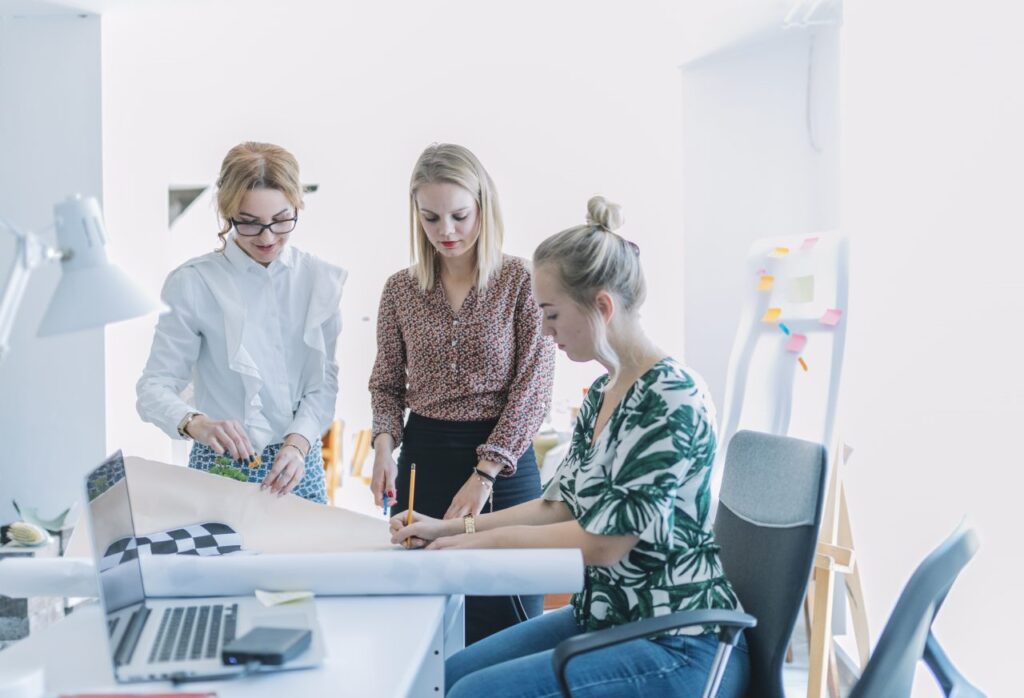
[268, 646]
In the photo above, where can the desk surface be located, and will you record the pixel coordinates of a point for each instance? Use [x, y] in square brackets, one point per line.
[375, 647]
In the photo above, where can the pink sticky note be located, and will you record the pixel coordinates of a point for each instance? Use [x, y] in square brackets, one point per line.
[831, 317]
[762, 271]
[808, 244]
[796, 343]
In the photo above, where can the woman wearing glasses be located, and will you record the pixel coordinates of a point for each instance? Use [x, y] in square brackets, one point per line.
[459, 344]
[253, 326]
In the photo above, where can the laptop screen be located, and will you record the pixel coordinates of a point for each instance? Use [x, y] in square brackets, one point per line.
[113, 535]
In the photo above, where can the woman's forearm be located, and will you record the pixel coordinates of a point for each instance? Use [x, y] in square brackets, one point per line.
[536, 512]
[598, 550]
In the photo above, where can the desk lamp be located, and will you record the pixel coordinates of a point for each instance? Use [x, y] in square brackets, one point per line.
[91, 293]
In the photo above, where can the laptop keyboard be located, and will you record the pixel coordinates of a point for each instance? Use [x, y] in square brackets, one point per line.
[190, 633]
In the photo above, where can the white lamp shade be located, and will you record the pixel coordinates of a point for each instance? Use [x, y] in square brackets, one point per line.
[92, 292]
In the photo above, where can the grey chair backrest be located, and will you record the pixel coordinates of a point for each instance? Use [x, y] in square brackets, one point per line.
[769, 515]
[908, 637]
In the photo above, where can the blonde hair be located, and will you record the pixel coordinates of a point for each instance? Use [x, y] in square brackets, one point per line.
[250, 166]
[454, 164]
[592, 257]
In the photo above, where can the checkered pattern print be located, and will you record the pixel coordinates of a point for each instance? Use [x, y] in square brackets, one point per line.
[200, 539]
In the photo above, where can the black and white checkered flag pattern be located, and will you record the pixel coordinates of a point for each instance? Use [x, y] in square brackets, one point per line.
[199, 539]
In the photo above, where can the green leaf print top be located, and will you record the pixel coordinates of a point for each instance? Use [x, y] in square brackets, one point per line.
[648, 475]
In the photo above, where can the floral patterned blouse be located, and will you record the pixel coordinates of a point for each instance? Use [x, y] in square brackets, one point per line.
[488, 361]
[648, 475]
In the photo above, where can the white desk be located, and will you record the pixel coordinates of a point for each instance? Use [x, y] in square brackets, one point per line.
[379, 646]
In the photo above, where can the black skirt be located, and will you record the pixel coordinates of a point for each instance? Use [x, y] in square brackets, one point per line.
[445, 454]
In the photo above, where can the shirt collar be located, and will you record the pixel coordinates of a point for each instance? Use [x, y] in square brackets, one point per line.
[243, 262]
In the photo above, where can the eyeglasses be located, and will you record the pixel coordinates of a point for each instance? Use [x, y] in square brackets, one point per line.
[251, 230]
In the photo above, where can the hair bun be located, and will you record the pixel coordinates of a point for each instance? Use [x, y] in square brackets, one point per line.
[604, 214]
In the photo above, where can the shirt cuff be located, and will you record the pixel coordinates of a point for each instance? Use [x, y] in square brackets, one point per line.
[498, 455]
[386, 426]
[306, 428]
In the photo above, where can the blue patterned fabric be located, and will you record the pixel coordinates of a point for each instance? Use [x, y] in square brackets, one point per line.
[311, 487]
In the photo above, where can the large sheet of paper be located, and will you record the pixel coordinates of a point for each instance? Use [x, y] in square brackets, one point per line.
[167, 496]
[398, 572]
[293, 545]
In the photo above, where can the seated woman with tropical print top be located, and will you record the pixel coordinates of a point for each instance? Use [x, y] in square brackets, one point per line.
[632, 494]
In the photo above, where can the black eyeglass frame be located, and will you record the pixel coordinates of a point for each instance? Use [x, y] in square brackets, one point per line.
[294, 220]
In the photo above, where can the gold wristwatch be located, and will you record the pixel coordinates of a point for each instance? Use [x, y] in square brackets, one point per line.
[470, 521]
[183, 424]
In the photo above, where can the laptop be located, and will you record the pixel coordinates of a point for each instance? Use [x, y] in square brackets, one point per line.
[178, 639]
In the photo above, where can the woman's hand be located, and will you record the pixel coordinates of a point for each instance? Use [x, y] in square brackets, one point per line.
[289, 466]
[473, 494]
[421, 531]
[384, 472]
[222, 436]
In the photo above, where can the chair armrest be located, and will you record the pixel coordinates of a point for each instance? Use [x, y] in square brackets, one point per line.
[730, 622]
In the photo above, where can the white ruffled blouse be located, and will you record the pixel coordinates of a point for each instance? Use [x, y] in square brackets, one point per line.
[257, 344]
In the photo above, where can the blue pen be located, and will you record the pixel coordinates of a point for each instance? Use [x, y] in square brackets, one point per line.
[387, 501]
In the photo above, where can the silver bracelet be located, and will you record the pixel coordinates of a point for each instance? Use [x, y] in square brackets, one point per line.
[297, 449]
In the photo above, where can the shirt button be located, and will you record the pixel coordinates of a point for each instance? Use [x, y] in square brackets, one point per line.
[455, 322]
[454, 342]
[453, 365]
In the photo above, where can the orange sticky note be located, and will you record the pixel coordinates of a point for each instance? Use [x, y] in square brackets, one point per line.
[765, 283]
[779, 252]
[772, 315]
[803, 364]
[831, 317]
[796, 343]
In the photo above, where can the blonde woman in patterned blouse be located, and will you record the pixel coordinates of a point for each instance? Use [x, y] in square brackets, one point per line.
[459, 343]
[632, 494]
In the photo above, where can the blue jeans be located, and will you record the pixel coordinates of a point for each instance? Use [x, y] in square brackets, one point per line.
[517, 663]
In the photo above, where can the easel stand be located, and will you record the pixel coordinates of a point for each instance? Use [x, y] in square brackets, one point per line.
[835, 556]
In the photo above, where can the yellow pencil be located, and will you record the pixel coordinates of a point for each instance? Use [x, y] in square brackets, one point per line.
[412, 496]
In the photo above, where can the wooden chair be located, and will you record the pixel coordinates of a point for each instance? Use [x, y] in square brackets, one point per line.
[331, 443]
[360, 450]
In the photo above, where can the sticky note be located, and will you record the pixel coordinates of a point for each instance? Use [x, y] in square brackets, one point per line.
[765, 283]
[762, 271]
[772, 315]
[803, 364]
[800, 289]
[782, 326]
[831, 317]
[796, 343]
[809, 243]
[779, 252]
[276, 598]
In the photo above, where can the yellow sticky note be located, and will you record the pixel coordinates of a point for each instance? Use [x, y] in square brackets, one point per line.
[779, 252]
[772, 315]
[800, 289]
[765, 283]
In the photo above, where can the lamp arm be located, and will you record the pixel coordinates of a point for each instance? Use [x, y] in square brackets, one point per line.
[29, 252]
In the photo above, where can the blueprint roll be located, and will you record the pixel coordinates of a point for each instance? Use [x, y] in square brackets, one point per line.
[34, 577]
[391, 572]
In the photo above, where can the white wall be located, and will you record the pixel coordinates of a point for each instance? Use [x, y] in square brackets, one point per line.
[51, 389]
[559, 100]
[754, 167]
[932, 188]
